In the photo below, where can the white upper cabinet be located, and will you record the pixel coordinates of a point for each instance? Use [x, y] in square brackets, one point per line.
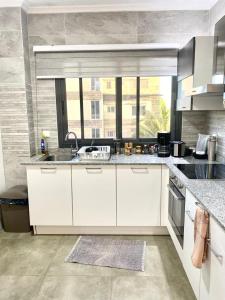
[138, 195]
[50, 199]
[94, 195]
[195, 72]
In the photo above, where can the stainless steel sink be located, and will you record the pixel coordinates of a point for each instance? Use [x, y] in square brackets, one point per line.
[58, 157]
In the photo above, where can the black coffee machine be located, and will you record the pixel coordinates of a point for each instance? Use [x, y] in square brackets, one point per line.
[163, 144]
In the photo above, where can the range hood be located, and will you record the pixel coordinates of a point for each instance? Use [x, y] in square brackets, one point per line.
[210, 89]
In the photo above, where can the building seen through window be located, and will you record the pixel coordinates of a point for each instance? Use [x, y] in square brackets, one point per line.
[99, 106]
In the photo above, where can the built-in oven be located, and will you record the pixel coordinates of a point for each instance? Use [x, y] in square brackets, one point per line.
[176, 208]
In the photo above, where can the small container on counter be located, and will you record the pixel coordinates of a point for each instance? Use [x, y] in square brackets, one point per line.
[138, 149]
[117, 147]
[145, 149]
[127, 149]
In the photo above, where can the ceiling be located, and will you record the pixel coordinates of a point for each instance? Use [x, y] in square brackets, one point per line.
[110, 5]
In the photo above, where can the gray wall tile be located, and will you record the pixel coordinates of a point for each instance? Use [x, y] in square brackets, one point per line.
[47, 24]
[12, 70]
[10, 18]
[185, 22]
[11, 44]
[101, 23]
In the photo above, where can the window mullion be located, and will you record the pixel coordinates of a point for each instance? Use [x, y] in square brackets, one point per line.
[138, 108]
[81, 108]
[119, 108]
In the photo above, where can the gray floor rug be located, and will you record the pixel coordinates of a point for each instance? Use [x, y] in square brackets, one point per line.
[115, 253]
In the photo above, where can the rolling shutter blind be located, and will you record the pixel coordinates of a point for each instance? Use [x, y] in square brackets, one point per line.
[106, 63]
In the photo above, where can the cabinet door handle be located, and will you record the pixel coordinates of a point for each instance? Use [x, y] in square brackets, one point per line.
[48, 170]
[94, 170]
[140, 170]
[188, 213]
[215, 253]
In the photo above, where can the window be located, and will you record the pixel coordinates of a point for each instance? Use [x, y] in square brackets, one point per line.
[142, 110]
[111, 109]
[108, 84]
[133, 108]
[95, 133]
[95, 84]
[110, 133]
[134, 111]
[95, 110]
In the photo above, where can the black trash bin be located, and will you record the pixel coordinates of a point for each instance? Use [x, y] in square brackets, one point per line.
[14, 209]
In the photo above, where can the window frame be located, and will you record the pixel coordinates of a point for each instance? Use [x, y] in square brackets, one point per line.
[62, 122]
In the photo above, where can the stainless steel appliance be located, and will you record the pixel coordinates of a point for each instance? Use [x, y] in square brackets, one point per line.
[163, 144]
[176, 208]
[203, 171]
[177, 148]
[212, 148]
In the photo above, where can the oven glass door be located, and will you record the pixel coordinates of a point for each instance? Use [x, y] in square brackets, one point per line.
[176, 212]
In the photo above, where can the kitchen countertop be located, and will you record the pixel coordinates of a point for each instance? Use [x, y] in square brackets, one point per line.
[121, 159]
[210, 193]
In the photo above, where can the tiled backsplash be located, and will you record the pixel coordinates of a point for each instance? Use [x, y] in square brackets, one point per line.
[216, 124]
[211, 122]
[193, 122]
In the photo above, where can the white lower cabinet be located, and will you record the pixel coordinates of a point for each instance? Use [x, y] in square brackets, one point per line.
[94, 195]
[207, 282]
[164, 195]
[50, 200]
[138, 195]
[212, 286]
[193, 273]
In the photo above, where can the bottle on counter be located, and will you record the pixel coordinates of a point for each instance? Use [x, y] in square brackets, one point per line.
[212, 147]
[44, 144]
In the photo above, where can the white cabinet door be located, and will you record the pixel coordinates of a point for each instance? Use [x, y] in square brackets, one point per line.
[193, 273]
[213, 272]
[94, 195]
[138, 195]
[50, 197]
[164, 196]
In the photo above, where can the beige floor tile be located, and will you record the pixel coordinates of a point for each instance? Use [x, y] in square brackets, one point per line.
[163, 278]
[75, 288]
[150, 288]
[27, 256]
[18, 287]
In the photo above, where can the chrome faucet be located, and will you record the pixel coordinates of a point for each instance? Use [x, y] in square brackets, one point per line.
[67, 138]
